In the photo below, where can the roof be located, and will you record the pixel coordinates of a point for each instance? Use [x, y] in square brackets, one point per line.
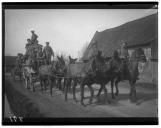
[135, 33]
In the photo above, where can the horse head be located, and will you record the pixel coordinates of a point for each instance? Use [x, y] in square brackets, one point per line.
[60, 65]
[71, 60]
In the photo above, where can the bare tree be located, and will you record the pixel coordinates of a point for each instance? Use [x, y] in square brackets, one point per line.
[83, 49]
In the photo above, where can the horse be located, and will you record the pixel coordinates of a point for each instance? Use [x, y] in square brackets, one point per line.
[129, 71]
[29, 72]
[71, 60]
[45, 75]
[104, 71]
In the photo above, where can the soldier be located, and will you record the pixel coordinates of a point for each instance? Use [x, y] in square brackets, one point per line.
[124, 52]
[28, 46]
[124, 55]
[33, 37]
[39, 56]
[48, 52]
[18, 61]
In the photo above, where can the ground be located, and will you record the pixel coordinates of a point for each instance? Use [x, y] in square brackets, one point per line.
[56, 106]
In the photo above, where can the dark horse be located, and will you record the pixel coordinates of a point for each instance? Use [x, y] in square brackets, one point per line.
[129, 71]
[104, 71]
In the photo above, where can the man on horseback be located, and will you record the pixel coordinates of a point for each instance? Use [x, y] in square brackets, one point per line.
[123, 51]
[48, 53]
[124, 56]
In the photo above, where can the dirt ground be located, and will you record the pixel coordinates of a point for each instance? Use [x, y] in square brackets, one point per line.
[56, 106]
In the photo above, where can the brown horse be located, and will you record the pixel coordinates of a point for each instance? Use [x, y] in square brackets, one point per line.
[129, 71]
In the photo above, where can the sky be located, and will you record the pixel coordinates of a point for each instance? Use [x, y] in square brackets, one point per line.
[67, 30]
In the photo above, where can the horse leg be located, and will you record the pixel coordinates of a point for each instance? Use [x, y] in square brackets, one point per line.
[56, 82]
[59, 84]
[82, 94]
[70, 84]
[32, 84]
[92, 93]
[106, 97]
[132, 92]
[45, 84]
[99, 92]
[116, 86]
[33, 87]
[26, 85]
[66, 89]
[112, 85]
[64, 84]
[41, 83]
[74, 86]
[51, 86]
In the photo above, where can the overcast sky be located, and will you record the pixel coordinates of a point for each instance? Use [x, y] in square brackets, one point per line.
[67, 30]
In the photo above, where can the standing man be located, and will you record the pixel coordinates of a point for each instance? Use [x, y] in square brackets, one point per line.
[48, 52]
[33, 37]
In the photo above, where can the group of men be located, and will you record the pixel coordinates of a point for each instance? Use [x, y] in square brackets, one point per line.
[35, 54]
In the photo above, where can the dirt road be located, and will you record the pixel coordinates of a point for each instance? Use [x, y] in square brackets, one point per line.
[56, 106]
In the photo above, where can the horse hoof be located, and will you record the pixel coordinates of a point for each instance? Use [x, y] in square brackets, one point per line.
[113, 97]
[90, 102]
[133, 100]
[116, 94]
[83, 104]
[76, 101]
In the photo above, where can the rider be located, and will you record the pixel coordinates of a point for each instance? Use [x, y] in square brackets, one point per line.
[48, 52]
[124, 55]
[33, 37]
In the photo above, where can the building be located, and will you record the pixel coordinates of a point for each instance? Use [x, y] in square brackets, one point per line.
[140, 33]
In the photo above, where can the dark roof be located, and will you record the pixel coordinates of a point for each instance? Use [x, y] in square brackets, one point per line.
[135, 33]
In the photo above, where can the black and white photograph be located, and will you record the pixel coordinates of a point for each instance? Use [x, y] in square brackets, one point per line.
[80, 64]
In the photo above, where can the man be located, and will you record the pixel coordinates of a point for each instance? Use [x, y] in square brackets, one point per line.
[18, 61]
[48, 52]
[124, 55]
[28, 47]
[33, 37]
[123, 51]
[39, 56]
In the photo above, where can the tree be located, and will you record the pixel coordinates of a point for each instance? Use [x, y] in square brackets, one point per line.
[83, 50]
